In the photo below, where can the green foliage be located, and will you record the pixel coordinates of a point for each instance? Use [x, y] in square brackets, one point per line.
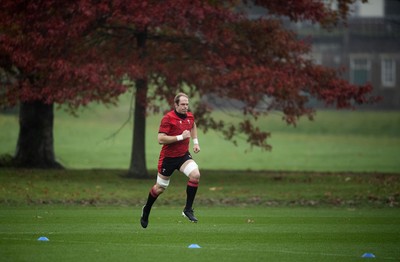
[227, 234]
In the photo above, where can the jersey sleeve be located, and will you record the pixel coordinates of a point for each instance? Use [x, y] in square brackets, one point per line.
[165, 126]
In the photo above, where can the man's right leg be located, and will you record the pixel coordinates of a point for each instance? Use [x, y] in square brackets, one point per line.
[155, 191]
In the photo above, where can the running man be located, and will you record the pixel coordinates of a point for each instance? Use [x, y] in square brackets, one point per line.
[176, 129]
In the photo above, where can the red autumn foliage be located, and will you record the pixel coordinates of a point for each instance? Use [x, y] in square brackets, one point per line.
[79, 51]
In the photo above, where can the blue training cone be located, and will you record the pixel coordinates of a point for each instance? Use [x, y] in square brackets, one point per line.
[43, 239]
[194, 246]
[368, 255]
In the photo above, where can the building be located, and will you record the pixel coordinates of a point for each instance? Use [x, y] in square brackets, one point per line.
[368, 48]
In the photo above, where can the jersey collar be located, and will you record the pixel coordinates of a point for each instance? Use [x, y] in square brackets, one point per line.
[181, 116]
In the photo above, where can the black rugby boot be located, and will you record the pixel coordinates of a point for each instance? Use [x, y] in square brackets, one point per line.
[189, 213]
[144, 218]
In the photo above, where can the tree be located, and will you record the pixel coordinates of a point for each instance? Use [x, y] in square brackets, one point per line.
[78, 51]
[50, 54]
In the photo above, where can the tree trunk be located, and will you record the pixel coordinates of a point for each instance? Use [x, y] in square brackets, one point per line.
[138, 167]
[35, 146]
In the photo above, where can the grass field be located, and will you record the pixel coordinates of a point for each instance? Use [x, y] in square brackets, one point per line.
[217, 188]
[337, 141]
[328, 191]
[224, 234]
[93, 215]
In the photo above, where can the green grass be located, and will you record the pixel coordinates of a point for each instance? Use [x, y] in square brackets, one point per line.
[224, 234]
[328, 191]
[218, 188]
[337, 141]
[93, 215]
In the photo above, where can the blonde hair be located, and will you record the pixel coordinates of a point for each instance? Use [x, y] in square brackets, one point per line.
[178, 96]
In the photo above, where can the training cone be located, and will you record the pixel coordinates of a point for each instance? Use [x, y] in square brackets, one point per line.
[194, 246]
[43, 239]
[368, 255]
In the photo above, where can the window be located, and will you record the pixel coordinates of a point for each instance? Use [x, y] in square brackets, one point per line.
[360, 70]
[388, 72]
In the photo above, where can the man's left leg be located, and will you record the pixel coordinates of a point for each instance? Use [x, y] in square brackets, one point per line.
[190, 169]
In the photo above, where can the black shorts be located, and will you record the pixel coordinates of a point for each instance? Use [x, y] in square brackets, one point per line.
[170, 164]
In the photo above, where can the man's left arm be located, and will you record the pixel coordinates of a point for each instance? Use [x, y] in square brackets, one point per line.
[193, 134]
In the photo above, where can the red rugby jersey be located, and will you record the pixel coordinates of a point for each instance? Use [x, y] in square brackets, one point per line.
[173, 125]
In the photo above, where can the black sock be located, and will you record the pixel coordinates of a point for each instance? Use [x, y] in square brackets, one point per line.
[151, 199]
[191, 191]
